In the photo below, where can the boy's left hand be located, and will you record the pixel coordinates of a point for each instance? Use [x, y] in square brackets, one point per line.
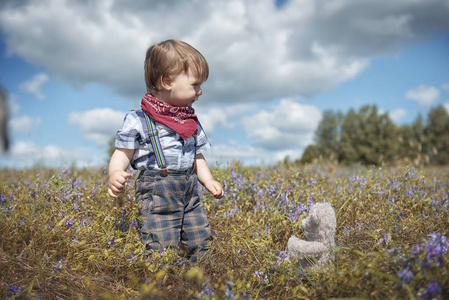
[215, 188]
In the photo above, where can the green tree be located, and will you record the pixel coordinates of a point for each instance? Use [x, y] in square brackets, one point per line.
[347, 152]
[406, 151]
[327, 135]
[368, 137]
[437, 132]
[417, 143]
[310, 154]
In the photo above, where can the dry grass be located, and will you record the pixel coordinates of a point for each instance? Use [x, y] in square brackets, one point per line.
[62, 237]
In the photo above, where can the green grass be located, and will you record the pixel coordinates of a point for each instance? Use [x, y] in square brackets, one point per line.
[61, 236]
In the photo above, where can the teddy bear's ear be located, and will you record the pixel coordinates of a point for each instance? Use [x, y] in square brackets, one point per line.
[305, 225]
[312, 219]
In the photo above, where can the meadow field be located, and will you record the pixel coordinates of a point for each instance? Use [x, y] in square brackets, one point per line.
[62, 237]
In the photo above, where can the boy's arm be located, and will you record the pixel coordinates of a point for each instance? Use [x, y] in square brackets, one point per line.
[117, 175]
[205, 177]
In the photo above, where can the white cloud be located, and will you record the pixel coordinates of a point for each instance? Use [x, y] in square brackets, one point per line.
[445, 86]
[397, 115]
[98, 125]
[211, 117]
[292, 154]
[287, 125]
[34, 85]
[446, 106]
[13, 104]
[28, 155]
[255, 50]
[23, 124]
[424, 95]
[250, 155]
[240, 109]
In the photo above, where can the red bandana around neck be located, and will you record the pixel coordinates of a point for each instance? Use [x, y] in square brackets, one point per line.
[181, 119]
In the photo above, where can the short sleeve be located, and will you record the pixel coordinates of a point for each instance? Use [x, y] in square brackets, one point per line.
[128, 136]
[202, 142]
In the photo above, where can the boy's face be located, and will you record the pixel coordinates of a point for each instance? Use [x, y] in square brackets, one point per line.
[184, 90]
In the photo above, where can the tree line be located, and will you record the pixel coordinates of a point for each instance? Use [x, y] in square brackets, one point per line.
[369, 137]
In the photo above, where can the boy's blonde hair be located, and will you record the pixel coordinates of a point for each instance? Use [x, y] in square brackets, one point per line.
[171, 58]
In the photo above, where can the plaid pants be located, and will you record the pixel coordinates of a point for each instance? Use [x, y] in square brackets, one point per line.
[171, 211]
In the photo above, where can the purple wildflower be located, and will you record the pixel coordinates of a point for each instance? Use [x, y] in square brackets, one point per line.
[206, 293]
[69, 223]
[406, 276]
[347, 230]
[14, 290]
[409, 172]
[2, 199]
[9, 209]
[112, 242]
[50, 225]
[259, 274]
[292, 215]
[431, 291]
[239, 184]
[83, 223]
[124, 226]
[262, 276]
[58, 266]
[228, 292]
[282, 256]
[180, 261]
[38, 297]
[135, 224]
[74, 182]
[436, 247]
[232, 213]
[387, 238]
[76, 206]
[124, 212]
[131, 256]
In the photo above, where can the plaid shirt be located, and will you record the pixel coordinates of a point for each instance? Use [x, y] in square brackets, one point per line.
[179, 154]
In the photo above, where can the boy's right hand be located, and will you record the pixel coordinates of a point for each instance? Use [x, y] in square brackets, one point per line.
[116, 182]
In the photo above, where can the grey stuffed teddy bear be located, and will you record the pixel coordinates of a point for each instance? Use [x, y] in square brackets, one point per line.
[319, 228]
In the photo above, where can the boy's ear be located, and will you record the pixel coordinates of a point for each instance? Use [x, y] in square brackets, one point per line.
[166, 82]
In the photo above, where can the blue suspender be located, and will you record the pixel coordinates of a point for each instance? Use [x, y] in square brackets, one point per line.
[156, 143]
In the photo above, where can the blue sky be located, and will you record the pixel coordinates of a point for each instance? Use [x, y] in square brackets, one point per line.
[73, 69]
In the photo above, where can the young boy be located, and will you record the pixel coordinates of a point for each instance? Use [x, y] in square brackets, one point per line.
[165, 142]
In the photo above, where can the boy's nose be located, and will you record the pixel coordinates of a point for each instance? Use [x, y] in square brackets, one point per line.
[199, 92]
